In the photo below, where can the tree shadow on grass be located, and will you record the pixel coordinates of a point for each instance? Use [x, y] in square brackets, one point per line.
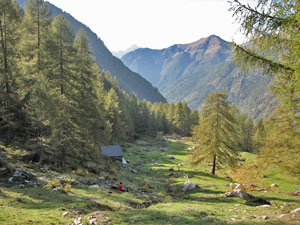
[281, 199]
[42, 198]
[150, 216]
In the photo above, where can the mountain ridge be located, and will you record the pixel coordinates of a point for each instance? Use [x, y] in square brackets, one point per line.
[189, 72]
[127, 79]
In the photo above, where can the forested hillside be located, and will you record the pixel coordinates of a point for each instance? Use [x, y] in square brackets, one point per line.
[189, 72]
[56, 103]
[128, 80]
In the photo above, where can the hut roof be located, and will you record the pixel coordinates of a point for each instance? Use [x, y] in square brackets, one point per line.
[112, 151]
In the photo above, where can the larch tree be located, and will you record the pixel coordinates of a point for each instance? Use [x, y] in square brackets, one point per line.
[11, 107]
[114, 117]
[62, 81]
[216, 135]
[34, 56]
[272, 28]
[87, 94]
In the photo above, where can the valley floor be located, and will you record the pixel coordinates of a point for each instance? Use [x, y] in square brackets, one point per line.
[154, 177]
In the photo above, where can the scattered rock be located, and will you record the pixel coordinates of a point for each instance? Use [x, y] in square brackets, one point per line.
[4, 171]
[188, 185]
[65, 214]
[274, 185]
[282, 215]
[187, 176]
[264, 206]
[20, 186]
[133, 170]
[241, 159]
[21, 175]
[295, 210]
[250, 199]
[99, 218]
[265, 217]
[77, 221]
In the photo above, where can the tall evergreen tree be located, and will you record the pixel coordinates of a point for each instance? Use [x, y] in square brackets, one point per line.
[62, 81]
[12, 115]
[258, 136]
[113, 111]
[34, 57]
[272, 27]
[215, 133]
[88, 95]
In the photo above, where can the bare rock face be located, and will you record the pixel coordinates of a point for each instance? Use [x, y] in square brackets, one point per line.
[188, 185]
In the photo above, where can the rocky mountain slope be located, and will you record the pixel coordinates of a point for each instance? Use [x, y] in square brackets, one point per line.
[128, 80]
[189, 72]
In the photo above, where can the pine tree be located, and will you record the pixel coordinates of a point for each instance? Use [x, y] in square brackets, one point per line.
[218, 140]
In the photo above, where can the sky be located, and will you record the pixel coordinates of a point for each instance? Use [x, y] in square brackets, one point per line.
[154, 24]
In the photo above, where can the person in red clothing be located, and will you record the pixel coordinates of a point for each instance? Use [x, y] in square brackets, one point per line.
[120, 187]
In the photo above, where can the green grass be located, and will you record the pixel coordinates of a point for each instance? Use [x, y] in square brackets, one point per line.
[163, 177]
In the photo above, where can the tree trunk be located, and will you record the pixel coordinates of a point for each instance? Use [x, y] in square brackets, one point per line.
[213, 170]
[63, 158]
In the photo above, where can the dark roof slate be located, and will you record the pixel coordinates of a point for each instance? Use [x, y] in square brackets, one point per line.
[112, 151]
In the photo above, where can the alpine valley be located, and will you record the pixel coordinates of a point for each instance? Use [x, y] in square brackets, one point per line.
[189, 72]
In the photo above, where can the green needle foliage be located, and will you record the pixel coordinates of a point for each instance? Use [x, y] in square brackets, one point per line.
[12, 122]
[216, 133]
[272, 28]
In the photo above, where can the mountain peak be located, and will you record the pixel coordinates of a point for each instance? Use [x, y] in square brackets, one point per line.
[211, 40]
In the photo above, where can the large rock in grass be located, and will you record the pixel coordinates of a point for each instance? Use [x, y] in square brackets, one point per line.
[189, 185]
[250, 199]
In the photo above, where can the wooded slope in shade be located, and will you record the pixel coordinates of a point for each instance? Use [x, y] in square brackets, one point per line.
[128, 80]
[189, 72]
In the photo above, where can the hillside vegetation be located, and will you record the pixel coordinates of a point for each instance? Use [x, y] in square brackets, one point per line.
[155, 177]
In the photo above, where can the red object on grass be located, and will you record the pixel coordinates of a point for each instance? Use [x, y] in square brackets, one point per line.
[120, 187]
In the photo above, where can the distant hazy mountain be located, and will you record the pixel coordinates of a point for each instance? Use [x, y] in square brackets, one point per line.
[128, 80]
[120, 54]
[190, 72]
